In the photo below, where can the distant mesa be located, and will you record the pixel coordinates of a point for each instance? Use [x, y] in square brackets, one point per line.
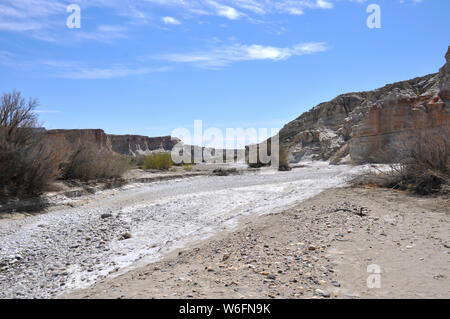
[131, 145]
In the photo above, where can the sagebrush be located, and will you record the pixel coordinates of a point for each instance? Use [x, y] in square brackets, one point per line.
[89, 162]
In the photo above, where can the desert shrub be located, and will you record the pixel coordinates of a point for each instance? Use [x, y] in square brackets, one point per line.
[225, 171]
[423, 163]
[283, 160]
[160, 161]
[89, 162]
[28, 161]
[137, 161]
[140, 160]
[266, 149]
[187, 167]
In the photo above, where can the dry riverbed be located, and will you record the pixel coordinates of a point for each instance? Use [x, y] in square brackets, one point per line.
[260, 233]
[321, 248]
[78, 242]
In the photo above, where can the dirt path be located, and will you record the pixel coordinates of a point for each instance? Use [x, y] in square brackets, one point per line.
[322, 249]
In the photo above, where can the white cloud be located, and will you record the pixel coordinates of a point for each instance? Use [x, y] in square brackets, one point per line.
[224, 10]
[170, 20]
[224, 56]
[324, 4]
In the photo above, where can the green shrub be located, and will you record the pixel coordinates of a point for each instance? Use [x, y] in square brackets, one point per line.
[160, 161]
[187, 167]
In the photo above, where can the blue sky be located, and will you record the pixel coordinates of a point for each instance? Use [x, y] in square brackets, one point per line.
[150, 66]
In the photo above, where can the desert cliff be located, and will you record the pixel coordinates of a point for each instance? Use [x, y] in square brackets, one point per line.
[345, 128]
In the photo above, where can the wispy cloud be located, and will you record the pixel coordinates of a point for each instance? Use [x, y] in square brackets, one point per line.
[40, 18]
[223, 56]
[109, 73]
[47, 111]
[104, 33]
[76, 70]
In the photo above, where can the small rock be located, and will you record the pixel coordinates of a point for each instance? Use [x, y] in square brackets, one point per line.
[271, 276]
[125, 236]
[104, 216]
[320, 292]
[336, 284]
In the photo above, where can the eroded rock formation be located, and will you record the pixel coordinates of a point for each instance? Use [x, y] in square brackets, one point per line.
[136, 144]
[343, 129]
[391, 122]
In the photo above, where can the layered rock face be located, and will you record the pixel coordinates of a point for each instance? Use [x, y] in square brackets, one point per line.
[345, 128]
[70, 140]
[390, 123]
[135, 144]
[444, 93]
[76, 137]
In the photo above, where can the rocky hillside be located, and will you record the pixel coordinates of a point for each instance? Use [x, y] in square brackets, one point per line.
[343, 129]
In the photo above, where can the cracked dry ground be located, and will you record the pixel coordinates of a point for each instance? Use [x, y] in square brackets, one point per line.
[320, 249]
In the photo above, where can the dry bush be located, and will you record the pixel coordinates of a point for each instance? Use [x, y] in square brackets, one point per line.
[28, 162]
[160, 161]
[263, 148]
[140, 160]
[137, 161]
[226, 171]
[89, 162]
[423, 163]
[283, 160]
